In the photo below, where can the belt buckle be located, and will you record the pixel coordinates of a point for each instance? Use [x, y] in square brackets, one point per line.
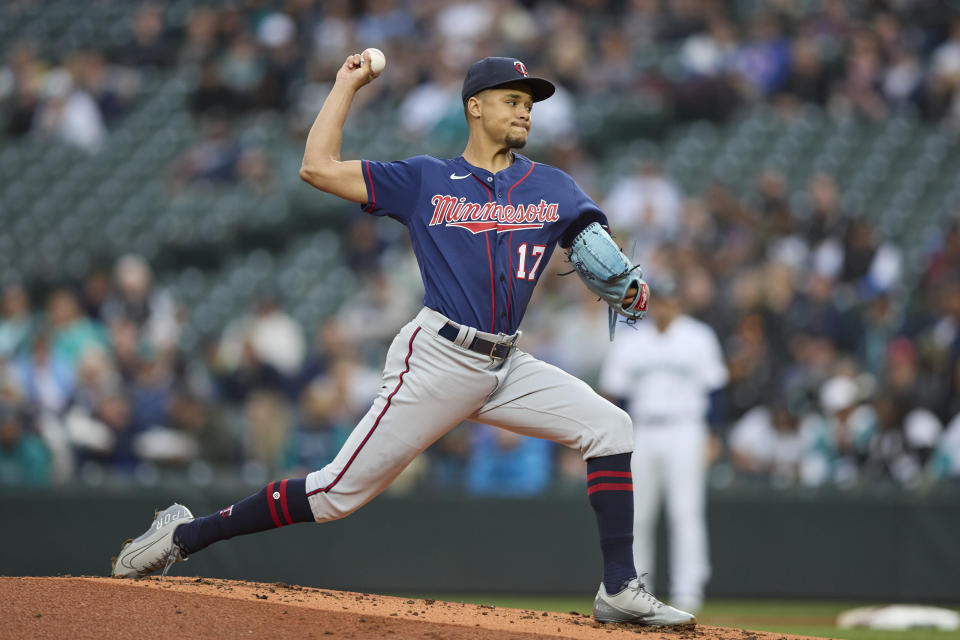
[509, 345]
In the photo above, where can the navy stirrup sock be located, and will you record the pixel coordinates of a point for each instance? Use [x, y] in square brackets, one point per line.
[278, 504]
[610, 489]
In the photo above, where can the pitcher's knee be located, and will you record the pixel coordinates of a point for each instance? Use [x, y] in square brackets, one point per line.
[612, 433]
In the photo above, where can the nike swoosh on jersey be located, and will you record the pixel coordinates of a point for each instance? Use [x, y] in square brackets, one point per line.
[454, 176]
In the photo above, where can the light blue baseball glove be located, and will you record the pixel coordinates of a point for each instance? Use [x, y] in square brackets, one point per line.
[610, 274]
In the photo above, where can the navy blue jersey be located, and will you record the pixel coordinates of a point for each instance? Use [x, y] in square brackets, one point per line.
[481, 239]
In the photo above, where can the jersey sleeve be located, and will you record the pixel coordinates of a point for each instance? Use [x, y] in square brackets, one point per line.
[392, 187]
[587, 211]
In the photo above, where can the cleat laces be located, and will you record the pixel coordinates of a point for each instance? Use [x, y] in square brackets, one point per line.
[639, 590]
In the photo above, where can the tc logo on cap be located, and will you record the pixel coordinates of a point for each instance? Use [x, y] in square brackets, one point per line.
[521, 68]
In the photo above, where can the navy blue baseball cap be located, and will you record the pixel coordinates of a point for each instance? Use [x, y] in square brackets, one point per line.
[493, 72]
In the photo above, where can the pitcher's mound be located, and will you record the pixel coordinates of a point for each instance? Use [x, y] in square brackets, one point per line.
[108, 609]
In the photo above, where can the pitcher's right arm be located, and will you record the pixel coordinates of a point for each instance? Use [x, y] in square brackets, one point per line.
[322, 166]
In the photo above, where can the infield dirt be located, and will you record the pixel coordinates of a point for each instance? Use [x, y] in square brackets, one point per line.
[109, 609]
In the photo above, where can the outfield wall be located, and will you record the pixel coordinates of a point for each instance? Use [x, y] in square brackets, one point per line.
[895, 547]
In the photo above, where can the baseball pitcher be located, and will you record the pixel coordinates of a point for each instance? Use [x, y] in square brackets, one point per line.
[482, 226]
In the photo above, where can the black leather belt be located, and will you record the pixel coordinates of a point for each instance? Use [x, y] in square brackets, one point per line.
[486, 347]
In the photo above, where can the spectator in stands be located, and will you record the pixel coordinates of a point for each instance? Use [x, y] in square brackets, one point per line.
[322, 428]
[433, 102]
[151, 390]
[902, 442]
[16, 320]
[753, 369]
[46, 377]
[809, 78]
[152, 311]
[838, 438]
[448, 458]
[877, 325]
[21, 83]
[943, 263]
[95, 290]
[710, 53]
[375, 312]
[903, 80]
[364, 246]
[383, 21]
[507, 464]
[276, 33]
[943, 82]
[815, 311]
[212, 96]
[262, 350]
[105, 437]
[826, 217]
[113, 89]
[148, 45]
[24, 459]
[96, 378]
[214, 159]
[645, 206]
[612, 74]
[860, 91]
[73, 333]
[763, 60]
[69, 114]
[766, 443]
[682, 19]
[267, 423]
[945, 461]
[206, 424]
[707, 90]
[200, 36]
[243, 69]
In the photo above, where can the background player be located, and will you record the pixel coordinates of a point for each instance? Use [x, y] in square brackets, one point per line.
[481, 226]
[668, 393]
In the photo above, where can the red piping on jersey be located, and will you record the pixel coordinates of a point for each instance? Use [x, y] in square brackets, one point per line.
[510, 245]
[486, 235]
[373, 197]
[609, 487]
[519, 181]
[510, 273]
[376, 423]
[609, 474]
[283, 502]
[273, 507]
[493, 299]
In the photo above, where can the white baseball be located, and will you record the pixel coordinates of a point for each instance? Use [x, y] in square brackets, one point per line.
[377, 60]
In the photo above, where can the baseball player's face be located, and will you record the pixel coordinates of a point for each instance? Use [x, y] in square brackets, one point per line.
[506, 114]
[665, 309]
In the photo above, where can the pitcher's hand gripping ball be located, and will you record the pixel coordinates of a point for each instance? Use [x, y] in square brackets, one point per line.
[377, 60]
[609, 274]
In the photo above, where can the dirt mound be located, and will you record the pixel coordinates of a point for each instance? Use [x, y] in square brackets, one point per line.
[107, 609]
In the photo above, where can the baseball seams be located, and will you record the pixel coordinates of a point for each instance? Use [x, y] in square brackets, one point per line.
[431, 384]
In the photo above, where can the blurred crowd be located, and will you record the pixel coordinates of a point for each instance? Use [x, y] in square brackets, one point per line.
[691, 58]
[843, 372]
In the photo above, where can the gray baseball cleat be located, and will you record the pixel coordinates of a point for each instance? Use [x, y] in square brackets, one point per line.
[154, 549]
[635, 605]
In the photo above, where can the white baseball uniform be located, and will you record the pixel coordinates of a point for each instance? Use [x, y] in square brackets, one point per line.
[666, 378]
